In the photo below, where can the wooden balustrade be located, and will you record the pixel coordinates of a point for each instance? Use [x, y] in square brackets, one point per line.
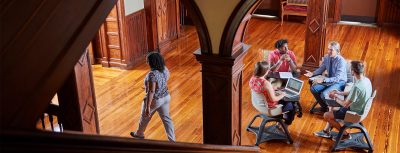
[73, 142]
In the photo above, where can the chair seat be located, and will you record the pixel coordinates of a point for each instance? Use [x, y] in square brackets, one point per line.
[295, 8]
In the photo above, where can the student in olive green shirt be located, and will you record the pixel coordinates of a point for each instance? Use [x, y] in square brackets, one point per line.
[356, 100]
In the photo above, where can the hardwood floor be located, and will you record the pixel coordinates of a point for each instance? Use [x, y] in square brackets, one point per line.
[119, 93]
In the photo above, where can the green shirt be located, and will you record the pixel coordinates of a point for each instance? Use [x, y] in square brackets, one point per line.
[359, 95]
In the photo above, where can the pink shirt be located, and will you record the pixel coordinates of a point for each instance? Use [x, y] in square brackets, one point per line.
[258, 85]
[274, 57]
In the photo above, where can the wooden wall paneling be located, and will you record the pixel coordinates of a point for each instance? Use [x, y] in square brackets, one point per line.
[38, 52]
[102, 43]
[91, 53]
[166, 21]
[172, 19]
[162, 23]
[151, 24]
[122, 36]
[178, 17]
[77, 99]
[113, 41]
[334, 12]
[315, 33]
[388, 13]
[136, 39]
[97, 48]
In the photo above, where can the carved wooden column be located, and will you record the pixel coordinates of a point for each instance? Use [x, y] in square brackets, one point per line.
[77, 99]
[315, 33]
[222, 98]
[221, 56]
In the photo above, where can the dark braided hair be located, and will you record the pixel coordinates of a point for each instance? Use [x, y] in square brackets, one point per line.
[156, 61]
[280, 43]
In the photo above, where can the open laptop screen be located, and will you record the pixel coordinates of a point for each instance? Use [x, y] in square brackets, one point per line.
[294, 85]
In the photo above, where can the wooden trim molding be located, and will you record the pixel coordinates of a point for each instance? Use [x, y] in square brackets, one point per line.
[68, 142]
[198, 20]
[236, 25]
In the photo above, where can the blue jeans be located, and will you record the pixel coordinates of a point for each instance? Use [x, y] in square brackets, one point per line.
[320, 91]
[288, 107]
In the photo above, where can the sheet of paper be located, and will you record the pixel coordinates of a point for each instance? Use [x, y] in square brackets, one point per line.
[318, 76]
[285, 75]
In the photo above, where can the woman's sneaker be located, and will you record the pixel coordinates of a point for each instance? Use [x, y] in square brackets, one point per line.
[135, 135]
[323, 134]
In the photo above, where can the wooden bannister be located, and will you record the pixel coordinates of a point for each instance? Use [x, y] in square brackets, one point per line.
[50, 111]
[44, 141]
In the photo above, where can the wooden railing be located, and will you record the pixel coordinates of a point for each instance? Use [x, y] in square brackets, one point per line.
[69, 142]
[51, 111]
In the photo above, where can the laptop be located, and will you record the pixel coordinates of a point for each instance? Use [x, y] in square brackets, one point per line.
[293, 87]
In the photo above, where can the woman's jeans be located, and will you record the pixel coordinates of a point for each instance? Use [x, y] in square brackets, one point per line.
[160, 105]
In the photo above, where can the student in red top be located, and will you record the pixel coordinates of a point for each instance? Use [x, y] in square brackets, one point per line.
[259, 84]
[282, 59]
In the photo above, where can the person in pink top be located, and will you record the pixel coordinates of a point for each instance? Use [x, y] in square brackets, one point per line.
[259, 84]
[282, 59]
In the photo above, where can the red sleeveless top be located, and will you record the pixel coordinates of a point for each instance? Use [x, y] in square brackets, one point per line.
[258, 85]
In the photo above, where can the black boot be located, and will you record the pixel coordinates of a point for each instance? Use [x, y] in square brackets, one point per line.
[298, 109]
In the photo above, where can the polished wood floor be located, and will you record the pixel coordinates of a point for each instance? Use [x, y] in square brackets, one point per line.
[119, 93]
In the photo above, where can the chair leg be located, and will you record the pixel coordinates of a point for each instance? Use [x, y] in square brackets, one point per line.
[286, 131]
[251, 122]
[339, 137]
[260, 132]
[282, 18]
[365, 133]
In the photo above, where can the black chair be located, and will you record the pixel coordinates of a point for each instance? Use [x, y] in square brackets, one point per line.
[353, 120]
[265, 133]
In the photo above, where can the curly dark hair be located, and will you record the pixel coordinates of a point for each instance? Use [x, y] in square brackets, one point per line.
[156, 61]
[280, 43]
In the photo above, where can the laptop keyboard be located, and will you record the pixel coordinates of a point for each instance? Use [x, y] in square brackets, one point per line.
[289, 93]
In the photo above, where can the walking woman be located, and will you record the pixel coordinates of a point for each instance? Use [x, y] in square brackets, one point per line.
[157, 97]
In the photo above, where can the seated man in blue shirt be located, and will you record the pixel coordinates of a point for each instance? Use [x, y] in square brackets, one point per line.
[335, 64]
